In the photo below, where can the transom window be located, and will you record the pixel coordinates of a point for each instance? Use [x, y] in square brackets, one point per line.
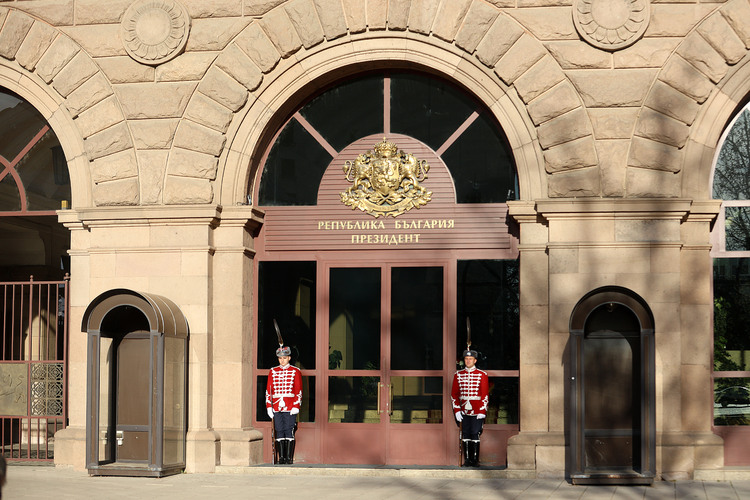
[458, 128]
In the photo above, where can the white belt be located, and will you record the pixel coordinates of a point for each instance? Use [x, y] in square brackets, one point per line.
[470, 398]
[288, 395]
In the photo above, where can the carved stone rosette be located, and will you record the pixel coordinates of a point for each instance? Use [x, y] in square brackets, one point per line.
[155, 31]
[611, 24]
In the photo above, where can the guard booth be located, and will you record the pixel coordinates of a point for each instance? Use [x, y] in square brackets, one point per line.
[612, 390]
[136, 385]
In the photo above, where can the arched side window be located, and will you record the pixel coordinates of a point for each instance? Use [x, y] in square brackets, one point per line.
[731, 264]
[457, 127]
[34, 176]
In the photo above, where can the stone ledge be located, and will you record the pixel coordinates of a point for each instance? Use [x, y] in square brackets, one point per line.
[448, 472]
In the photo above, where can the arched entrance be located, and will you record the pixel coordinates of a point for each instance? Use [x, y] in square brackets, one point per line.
[374, 304]
[612, 401]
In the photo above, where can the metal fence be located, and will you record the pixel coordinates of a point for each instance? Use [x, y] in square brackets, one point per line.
[33, 367]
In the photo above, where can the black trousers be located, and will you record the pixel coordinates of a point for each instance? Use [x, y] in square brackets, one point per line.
[471, 427]
[283, 422]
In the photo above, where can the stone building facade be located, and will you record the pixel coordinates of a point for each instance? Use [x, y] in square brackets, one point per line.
[613, 111]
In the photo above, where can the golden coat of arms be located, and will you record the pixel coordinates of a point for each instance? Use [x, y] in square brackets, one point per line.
[385, 181]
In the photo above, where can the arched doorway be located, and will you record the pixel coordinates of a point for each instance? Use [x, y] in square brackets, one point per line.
[612, 401]
[373, 295]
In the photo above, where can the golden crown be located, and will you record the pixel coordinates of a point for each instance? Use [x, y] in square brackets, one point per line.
[386, 149]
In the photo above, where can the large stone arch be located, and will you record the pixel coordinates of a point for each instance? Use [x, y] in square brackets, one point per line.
[471, 41]
[691, 101]
[51, 71]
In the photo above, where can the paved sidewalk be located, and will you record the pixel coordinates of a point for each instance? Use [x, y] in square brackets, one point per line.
[39, 482]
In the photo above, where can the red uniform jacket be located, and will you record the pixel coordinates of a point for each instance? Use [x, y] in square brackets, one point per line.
[284, 388]
[471, 392]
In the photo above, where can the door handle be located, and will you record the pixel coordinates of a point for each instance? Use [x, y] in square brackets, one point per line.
[390, 399]
[379, 385]
[120, 437]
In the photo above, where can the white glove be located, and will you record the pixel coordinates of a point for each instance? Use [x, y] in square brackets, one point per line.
[459, 417]
[294, 411]
[481, 416]
[269, 410]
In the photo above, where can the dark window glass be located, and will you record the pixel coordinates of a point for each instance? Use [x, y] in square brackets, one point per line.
[426, 108]
[354, 330]
[306, 411]
[481, 164]
[417, 318]
[286, 292]
[10, 199]
[416, 400]
[503, 402]
[353, 400]
[19, 123]
[348, 111]
[44, 173]
[295, 165]
[737, 228]
[731, 179]
[488, 295]
[732, 314]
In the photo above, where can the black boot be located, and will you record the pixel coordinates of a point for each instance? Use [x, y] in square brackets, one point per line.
[290, 454]
[280, 455]
[465, 452]
[474, 453]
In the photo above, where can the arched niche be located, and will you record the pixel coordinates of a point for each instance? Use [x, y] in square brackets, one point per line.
[611, 420]
[136, 385]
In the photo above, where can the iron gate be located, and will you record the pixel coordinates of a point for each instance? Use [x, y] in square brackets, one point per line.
[33, 368]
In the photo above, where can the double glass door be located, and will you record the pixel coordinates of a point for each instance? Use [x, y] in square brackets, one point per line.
[386, 377]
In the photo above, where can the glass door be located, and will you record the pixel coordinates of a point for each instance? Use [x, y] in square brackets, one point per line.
[386, 374]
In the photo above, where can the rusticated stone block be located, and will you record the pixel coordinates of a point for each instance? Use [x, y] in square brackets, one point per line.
[154, 100]
[571, 155]
[56, 13]
[605, 88]
[398, 14]
[577, 183]
[80, 69]
[422, 15]
[123, 192]
[684, 77]
[125, 69]
[105, 114]
[549, 23]
[519, 58]
[195, 137]
[214, 34]
[215, 8]
[62, 50]
[188, 66]
[240, 67]
[541, 77]
[698, 52]
[579, 55]
[152, 166]
[209, 113]
[260, 7]
[449, 19]
[98, 40]
[332, 20]
[564, 128]
[646, 153]
[737, 14]
[723, 39]
[187, 191]
[558, 100]
[39, 38]
[672, 102]
[186, 163]
[648, 53]
[224, 89]
[671, 20]
[355, 15]
[3, 14]
[153, 134]
[256, 44]
[305, 20]
[90, 11]
[501, 36]
[478, 21]
[117, 166]
[660, 127]
[613, 123]
[17, 25]
[94, 90]
[281, 32]
[645, 183]
[107, 142]
[377, 15]
[612, 158]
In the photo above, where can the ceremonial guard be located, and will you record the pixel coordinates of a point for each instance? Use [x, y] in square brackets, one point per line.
[283, 401]
[470, 397]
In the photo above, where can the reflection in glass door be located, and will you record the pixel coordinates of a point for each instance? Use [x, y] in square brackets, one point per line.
[383, 408]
